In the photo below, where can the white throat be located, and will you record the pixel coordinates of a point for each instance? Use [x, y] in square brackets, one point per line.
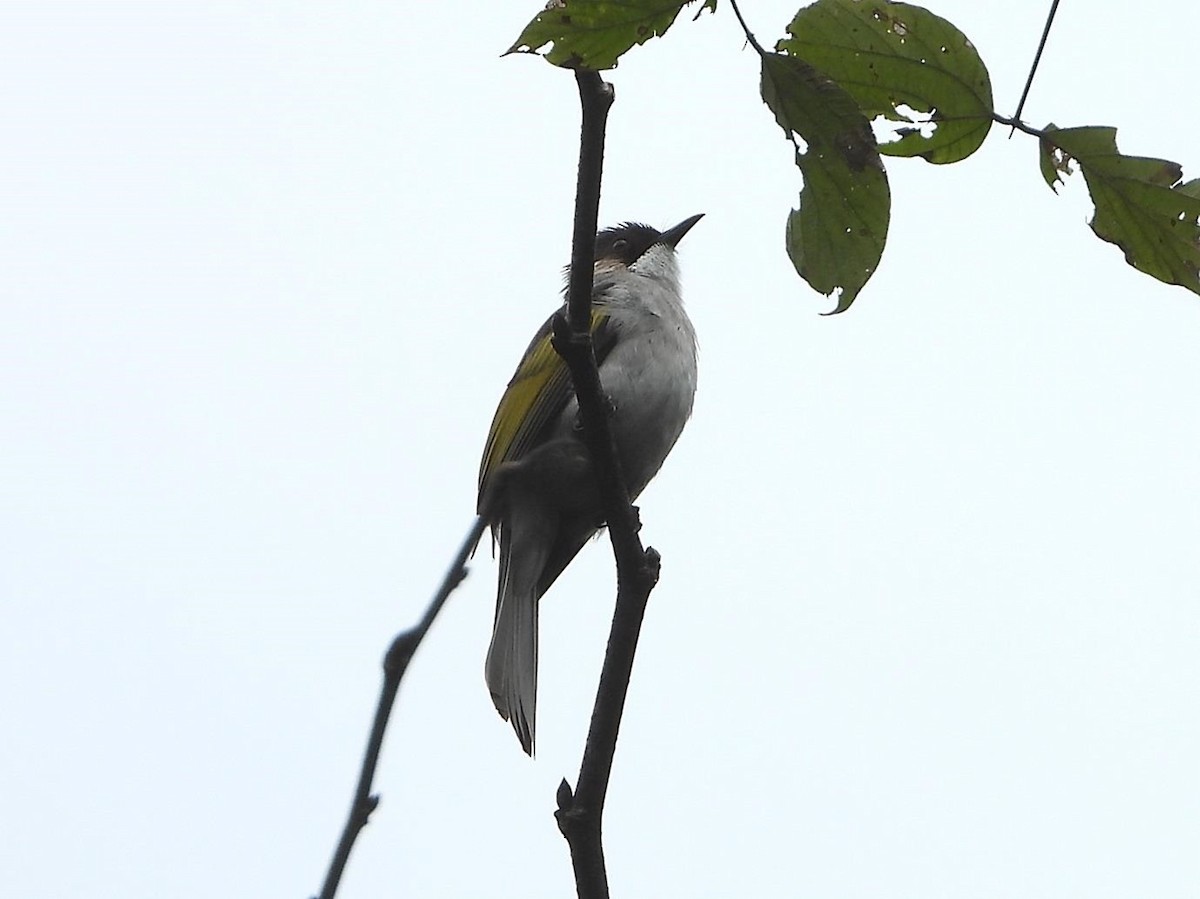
[659, 263]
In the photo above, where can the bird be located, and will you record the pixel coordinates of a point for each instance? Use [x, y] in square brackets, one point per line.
[537, 488]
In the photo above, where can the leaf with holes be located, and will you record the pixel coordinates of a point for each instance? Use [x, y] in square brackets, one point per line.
[836, 238]
[594, 34]
[904, 63]
[1141, 204]
[1053, 164]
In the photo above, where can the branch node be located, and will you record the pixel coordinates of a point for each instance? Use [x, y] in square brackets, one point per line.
[400, 653]
[565, 797]
[569, 343]
[651, 565]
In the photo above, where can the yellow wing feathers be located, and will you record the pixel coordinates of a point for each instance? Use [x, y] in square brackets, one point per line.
[538, 392]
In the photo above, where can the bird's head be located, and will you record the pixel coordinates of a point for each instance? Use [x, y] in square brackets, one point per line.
[641, 249]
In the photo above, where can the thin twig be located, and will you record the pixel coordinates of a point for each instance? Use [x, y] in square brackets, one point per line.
[580, 812]
[746, 28]
[1036, 59]
[395, 663]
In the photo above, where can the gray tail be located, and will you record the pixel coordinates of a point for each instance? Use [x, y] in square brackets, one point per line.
[511, 668]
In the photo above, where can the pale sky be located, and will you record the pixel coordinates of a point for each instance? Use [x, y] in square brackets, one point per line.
[929, 620]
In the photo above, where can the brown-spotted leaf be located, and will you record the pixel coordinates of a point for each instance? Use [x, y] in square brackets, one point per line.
[836, 238]
[904, 63]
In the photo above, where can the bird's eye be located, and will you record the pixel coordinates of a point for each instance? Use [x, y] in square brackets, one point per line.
[620, 244]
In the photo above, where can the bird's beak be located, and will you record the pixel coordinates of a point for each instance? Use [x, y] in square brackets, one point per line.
[672, 236]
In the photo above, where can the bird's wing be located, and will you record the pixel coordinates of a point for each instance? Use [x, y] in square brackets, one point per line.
[538, 392]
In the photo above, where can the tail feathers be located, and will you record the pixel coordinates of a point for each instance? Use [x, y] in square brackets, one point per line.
[511, 668]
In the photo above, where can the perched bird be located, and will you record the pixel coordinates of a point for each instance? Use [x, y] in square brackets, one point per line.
[536, 486]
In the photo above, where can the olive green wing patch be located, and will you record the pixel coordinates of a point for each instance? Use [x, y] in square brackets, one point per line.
[538, 392]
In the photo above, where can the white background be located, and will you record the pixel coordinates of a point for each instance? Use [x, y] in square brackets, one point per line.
[929, 622]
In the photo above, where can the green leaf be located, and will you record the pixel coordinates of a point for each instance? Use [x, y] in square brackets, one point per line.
[1191, 188]
[594, 34]
[1052, 165]
[1141, 206]
[893, 55]
[836, 238]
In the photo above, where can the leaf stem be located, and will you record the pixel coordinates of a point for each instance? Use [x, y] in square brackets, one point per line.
[1017, 125]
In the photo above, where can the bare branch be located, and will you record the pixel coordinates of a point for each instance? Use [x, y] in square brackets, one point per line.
[580, 811]
[395, 663]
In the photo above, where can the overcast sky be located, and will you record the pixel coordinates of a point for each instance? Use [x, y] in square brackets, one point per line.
[929, 620]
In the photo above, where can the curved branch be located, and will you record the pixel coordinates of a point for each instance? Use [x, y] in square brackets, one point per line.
[746, 28]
